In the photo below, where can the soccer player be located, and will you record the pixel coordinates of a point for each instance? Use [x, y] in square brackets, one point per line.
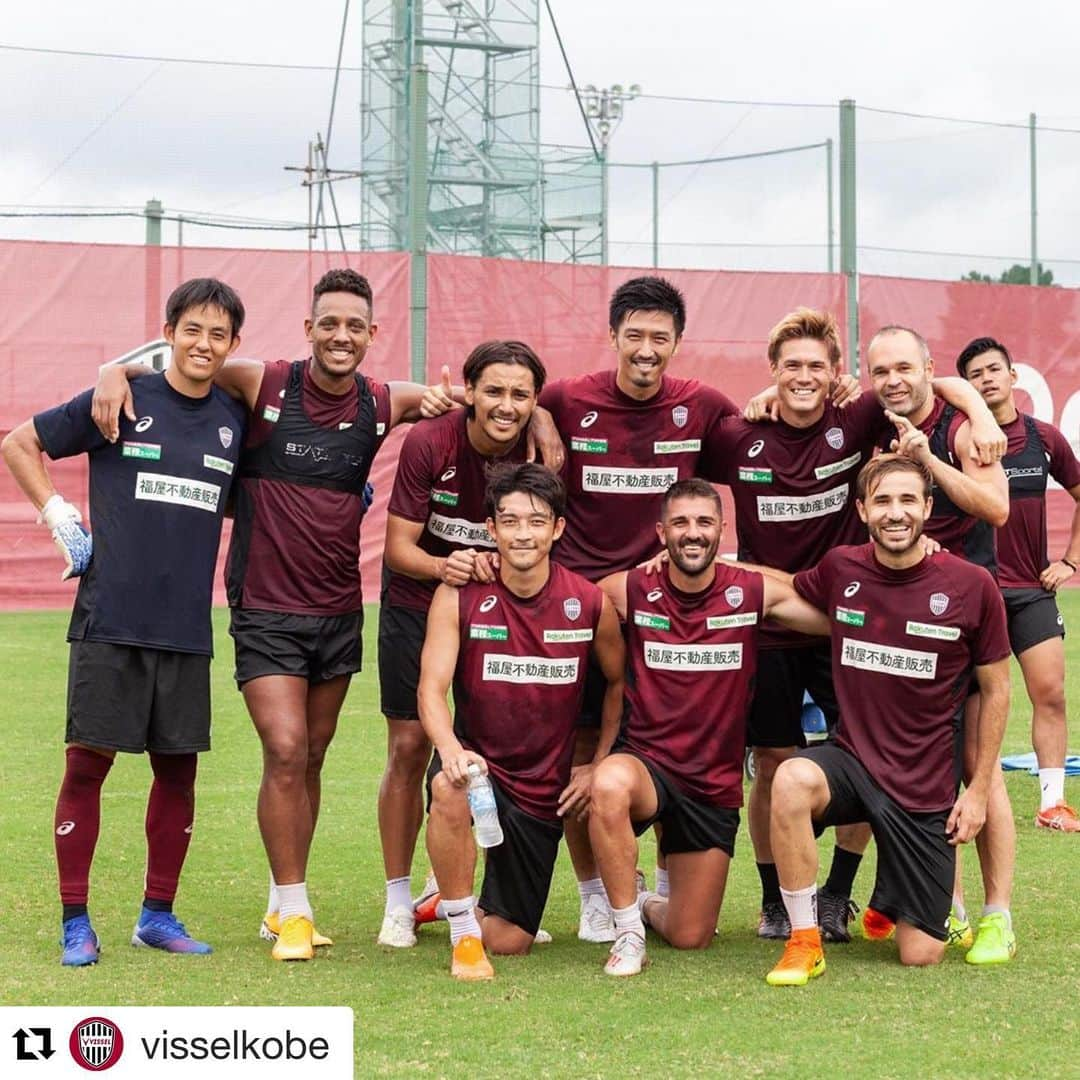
[971, 499]
[436, 532]
[515, 651]
[292, 581]
[792, 483]
[692, 636]
[140, 634]
[629, 434]
[908, 632]
[1027, 578]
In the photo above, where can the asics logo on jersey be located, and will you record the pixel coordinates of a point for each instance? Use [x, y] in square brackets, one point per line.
[189, 828]
[64, 828]
[449, 473]
[756, 448]
[835, 438]
[939, 602]
[589, 418]
[143, 423]
[654, 595]
[488, 603]
[852, 589]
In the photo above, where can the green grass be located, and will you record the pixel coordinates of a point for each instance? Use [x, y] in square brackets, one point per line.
[551, 1014]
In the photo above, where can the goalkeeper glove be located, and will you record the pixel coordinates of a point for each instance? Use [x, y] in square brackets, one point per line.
[74, 542]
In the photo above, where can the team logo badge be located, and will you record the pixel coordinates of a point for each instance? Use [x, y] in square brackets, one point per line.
[654, 595]
[449, 474]
[854, 587]
[939, 602]
[589, 418]
[756, 448]
[572, 608]
[835, 438]
[679, 415]
[225, 435]
[143, 423]
[733, 594]
[488, 603]
[96, 1044]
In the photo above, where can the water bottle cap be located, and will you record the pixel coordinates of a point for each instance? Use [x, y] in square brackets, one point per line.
[474, 769]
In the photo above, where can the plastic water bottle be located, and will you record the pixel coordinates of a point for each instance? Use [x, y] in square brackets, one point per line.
[814, 726]
[485, 813]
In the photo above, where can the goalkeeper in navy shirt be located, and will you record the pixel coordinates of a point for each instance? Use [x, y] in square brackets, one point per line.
[140, 634]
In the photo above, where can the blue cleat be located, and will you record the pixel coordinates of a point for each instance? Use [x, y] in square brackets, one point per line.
[163, 930]
[80, 942]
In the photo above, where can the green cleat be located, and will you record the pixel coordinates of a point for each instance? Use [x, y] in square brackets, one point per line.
[959, 930]
[995, 943]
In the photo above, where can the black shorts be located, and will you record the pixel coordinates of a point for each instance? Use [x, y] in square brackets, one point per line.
[517, 873]
[783, 675]
[134, 699]
[313, 647]
[687, 824]
[401, 639]
[916, 863]
[1033, 618]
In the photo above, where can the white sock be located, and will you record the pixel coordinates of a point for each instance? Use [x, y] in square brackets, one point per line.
[461, 914]
[801, 907]
[628, 919]
[643, 898]
[440, 910]
[294, 900]
[397, 894]
[1051, 787]
[592, 887]
[958, 908]
[273, 902]
[997, 909]
[663, 886]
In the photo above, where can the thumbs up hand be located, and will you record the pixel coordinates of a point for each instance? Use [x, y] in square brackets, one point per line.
[440, 398]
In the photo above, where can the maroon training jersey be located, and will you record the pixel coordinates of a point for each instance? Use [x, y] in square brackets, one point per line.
[622, 455]
[441, 481]
[691, 661]
[304, 542]
[794, 488]
[1036, 450]
[904, 647]
[519, 682]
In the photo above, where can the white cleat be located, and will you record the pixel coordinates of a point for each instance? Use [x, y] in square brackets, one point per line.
[627, 955]
[542, 937]
[398, 929]
[596, 923]
[431, 887]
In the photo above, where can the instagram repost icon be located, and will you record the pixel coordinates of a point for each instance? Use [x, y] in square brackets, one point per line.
[96, 1043]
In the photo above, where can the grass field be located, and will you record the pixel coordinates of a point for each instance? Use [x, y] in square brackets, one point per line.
[551, 1014]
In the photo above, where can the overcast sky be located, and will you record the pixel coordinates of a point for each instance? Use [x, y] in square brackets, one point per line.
[85, 131]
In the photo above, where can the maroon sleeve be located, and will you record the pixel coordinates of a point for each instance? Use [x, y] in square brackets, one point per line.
[813, 585]
[866, 420]
[551, 398]
[380, 391]
[991, 641]
[1064, 467]
[718, 450]
[268, 403]
[414, 478]
[716, 404]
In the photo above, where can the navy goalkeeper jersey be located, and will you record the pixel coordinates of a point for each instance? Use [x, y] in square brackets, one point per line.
[157, 498]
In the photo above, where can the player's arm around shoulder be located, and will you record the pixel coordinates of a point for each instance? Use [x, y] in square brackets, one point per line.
[784, 605]
[989, 442]
[986, 494]
[614, 588]
[241, 378]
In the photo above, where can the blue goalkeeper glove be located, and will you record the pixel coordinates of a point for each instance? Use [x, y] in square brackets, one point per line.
[369, 496]
[74, 542]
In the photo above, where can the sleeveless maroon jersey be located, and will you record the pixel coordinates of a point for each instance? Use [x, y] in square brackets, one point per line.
[519, 682]
[622, 455]
[691, 661]
[441, 481]
[295, 544]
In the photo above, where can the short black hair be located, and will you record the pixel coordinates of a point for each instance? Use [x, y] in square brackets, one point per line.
[197, 293]
[647, 294]
[976, 348]
[343, 280]
[692, 488]
[531, 479]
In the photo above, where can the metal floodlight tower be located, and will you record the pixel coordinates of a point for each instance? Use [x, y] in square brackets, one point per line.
[451, 127]
[604, 110]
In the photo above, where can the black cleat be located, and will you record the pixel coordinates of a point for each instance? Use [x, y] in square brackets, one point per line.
[774, 922]
[834, 912]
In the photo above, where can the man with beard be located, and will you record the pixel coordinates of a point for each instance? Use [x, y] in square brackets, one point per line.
[1027, 577]
[909, 631]
[692, 635]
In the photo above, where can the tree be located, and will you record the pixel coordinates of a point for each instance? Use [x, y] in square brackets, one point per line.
[1017, 274]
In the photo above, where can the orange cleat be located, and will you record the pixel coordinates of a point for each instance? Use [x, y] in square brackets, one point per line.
[802, 961]
[424, 910]
[877, 927]
[470, 962]
[1060, 817]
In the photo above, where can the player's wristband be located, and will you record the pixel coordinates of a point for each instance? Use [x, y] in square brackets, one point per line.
[1070, 565]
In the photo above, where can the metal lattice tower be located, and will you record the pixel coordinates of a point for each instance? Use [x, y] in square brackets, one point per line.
[452, 159]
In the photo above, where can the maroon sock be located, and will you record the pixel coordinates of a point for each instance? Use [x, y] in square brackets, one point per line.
[170, 814]
[77, 821]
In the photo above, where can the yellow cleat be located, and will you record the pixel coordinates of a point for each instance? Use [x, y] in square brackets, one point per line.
[271, 927]
[802, 961]
[959, 931]
[294, 940]
[470, 962]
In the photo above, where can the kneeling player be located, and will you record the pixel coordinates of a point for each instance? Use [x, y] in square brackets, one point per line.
[692, 639]
[908, 630]
[515, 651]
